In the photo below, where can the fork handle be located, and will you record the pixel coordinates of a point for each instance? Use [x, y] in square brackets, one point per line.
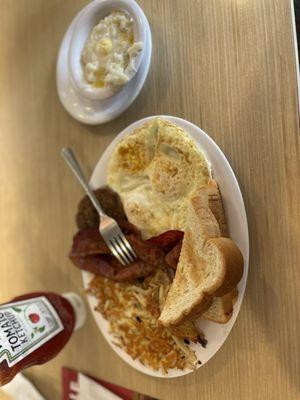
[71, 160]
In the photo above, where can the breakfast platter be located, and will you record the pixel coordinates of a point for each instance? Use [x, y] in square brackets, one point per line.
[166, 287]
[176, 133]
[222, 172]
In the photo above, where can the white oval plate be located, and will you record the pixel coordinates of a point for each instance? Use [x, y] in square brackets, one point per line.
[215, 334]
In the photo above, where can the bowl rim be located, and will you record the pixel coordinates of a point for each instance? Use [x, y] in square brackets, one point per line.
[83, 27]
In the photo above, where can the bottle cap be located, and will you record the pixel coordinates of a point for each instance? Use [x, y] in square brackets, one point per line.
[79, 309]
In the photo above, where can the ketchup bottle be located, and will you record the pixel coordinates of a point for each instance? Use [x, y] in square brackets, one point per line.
[34, 328]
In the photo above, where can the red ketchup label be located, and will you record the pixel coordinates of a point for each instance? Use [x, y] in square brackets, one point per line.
[26, 325]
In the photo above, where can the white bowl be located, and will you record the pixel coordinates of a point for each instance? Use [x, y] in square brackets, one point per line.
[94, 111]
[88, 18]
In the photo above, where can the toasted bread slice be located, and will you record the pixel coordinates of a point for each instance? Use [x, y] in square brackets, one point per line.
[209, 265]
[234, 296]
[221, 308]
[216, 205]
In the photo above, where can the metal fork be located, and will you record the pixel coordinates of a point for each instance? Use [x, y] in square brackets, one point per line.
[108, 228]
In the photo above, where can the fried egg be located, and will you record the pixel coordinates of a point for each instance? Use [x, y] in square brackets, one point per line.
[156, 170]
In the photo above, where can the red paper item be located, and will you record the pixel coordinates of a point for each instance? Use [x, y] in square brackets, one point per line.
[70, 381]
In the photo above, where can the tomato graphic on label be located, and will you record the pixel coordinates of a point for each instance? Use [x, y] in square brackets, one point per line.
[34, 318]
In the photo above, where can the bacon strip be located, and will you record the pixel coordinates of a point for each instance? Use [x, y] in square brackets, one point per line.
[167, 240]
[172, 257]
[95, 264]
[89, 252]
[88, 242]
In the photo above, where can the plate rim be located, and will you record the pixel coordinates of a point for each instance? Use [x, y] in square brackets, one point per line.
[86, 276]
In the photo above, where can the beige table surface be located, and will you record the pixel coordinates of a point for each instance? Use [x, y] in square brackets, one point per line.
[229, 67]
